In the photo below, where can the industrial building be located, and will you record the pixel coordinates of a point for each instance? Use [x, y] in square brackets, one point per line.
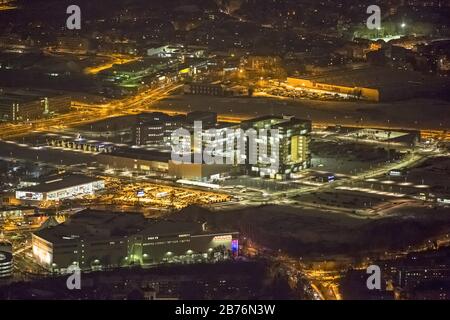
[58, 187]
[97, 240]
[375, 84]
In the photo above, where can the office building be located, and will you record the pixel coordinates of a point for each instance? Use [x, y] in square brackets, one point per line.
[156, 128]
[293, 140]
[24, 105]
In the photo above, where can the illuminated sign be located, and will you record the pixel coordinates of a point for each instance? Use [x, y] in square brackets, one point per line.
[186, 70]
[184, 235]
[141, 193]
[395, 173]
[223, 238]
[235, 246]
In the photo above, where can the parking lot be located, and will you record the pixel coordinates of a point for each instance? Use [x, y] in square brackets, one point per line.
[304, 93]
[121, 193]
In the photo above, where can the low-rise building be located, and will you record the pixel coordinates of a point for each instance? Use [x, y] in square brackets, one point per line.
[55, 188]
[96, 240]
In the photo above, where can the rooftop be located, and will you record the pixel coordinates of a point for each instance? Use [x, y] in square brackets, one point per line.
[141, 154]
[276, 120]
[104, 225]
[374, 77]
[59, 182]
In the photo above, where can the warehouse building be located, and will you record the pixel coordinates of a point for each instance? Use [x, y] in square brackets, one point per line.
[98, 240]
[55, 188]
[375, 84]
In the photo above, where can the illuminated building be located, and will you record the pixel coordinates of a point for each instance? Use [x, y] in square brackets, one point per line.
[96, 240]
[15, 213]
[376, 84]
[293, 141]
[208, 89]
[80, 143]
[73, 44]
[137, 160]
[6, 264]
[265, 66]
[177, 51]
[31, 105]
[215, 89]
[16, 108]
[55, 188]
[156, 128]
[6, 259]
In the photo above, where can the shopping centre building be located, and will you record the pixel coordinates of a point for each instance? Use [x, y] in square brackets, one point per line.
[58, 187]
[99, 240]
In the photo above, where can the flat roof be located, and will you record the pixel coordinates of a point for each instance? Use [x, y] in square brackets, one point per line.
[8, 99]
[141, 154]
[97, 225]
[16, 208]
[279, 120]
[59, 182]
[374, 77]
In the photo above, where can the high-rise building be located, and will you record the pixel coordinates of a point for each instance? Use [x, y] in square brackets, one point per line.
[289, 148]
[156, 128]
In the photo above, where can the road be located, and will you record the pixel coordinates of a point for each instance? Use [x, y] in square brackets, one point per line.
[87, 113]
